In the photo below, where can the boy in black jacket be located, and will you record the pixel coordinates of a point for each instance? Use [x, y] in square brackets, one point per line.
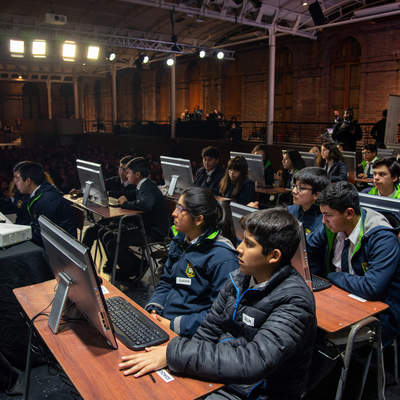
[259, 334]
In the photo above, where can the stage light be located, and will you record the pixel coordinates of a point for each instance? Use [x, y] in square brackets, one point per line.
[304, 3]
[202, 53]
[39, 48]
[112, 57]
[93, 52]
[20, 76]
[146, 59]
[17, 48]
[170, 62]
[69, 50]
[220, 55]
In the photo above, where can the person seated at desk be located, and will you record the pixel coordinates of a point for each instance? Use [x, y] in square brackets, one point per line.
[319, 161]
[369, 152]
[309, 182]
[198, 264]
[357, 250]
[148, 199]
[261, 149]
[386, 173]
[259, 334]
[116, 186]
[292, 163]
[235, 184]
[44, 199]
[211, 173]
[335, 166]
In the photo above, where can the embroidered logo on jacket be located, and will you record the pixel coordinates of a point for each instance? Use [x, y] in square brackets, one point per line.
[190, 271]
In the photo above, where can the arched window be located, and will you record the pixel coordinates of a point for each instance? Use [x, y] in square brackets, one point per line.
[345, 76]
[284, 85]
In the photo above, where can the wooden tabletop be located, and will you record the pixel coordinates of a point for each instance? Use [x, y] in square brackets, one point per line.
[336, 309]
[91, 365]
[363, 180]
[272, 190]
[104, 212]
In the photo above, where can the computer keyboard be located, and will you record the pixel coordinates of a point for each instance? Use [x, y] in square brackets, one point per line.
[132, 327]
[319, 283]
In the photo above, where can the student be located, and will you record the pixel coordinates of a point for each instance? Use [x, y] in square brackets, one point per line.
[357, 250]
[259, 334]
[261, 149]
[309, 182]
[369, 157]
[319, 161]
[335, 166]
[211, 173]
[148, 199]
[386, 172]
[198, 263]
[292, 163]
[235, 184]
[44, 199]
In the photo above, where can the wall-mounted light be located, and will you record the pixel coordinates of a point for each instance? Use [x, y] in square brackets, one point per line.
[170, 62]
[202, 53]
[220, 55]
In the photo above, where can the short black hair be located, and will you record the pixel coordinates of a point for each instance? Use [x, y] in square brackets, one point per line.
[391, 163]
[370, 147]
[296, 159]
[32, 170]
[124, 160]
[210, 151]
[340, 196]
[316, 177]
[274, 228]
[139, 164]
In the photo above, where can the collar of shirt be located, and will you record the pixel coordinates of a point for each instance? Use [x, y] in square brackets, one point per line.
[192, 241]
[254, 285]
[209, 173]
[140, 183]
[34, 192]
[339, 245]
[125, 183]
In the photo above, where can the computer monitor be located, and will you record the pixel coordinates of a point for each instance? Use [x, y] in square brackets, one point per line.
[385, 153]
[75, 273]
[300, 261]
[239, 211]
[387, 206]
[309, 158]
[255, 164]
[350, 161]
[177, 174]
[92, 183]
[182, 161]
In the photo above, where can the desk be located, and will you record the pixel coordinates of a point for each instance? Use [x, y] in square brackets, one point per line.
[363, 180]
[336, 310]
[272, 190]
[93, 367]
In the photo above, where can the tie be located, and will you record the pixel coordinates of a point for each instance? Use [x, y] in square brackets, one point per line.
[345, 256]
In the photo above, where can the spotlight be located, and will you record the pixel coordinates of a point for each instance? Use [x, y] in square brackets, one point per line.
[17, 48]
[170, 62]
[112, 57]
[93, 52]
[20, 77]
[304, 3]
[202, 53]
[39, 48]
[146, 59]
[220, 55]
[69, 50]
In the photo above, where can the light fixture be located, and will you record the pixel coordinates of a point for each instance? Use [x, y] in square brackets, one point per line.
[68, 51]
[304, 3]
[170, 61]
[93, 52]
[146, 59]
[20, 76]
[17, 48]
[39, 48]
[202, 53]
[220, 55]
[112, 57]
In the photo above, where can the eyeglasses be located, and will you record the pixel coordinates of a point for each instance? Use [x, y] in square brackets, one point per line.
[301, 188]
[179, 208]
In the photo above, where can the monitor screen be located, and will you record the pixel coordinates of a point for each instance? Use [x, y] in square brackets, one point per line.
[255, 164]
[350, 161]
[182, 161]
[177, 176]
[73, 267]
[239, 211]
[387, 206]
[92, 183]
[309, 158]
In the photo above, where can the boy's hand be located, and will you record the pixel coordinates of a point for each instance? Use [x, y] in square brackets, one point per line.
[153, 359]
[164, 321]
[122, 200]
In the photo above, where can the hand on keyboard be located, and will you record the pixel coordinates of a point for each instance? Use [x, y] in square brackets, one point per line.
[164, 321]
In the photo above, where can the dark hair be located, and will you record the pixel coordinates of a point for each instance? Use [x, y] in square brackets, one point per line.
[32, 170]
[384, 113]
[340, 196]
[125, 160]
[316, 177]
[238, 163]
[210, 151]
[392, 165]
[139, 164]
[263, 148]
[295, 158]
[370, 147]
[274, 228]
[334, 153]
[17, 166]
[201, 201]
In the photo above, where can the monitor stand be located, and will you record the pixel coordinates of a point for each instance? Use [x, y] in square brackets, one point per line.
[60, 301]
[86, 192]
[172, 185]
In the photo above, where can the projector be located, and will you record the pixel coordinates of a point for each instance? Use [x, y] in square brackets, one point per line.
[55, 19]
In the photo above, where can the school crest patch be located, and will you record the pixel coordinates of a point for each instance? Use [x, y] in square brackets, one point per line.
[189, 271]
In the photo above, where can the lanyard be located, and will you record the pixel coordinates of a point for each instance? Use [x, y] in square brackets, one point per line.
[32, 202]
